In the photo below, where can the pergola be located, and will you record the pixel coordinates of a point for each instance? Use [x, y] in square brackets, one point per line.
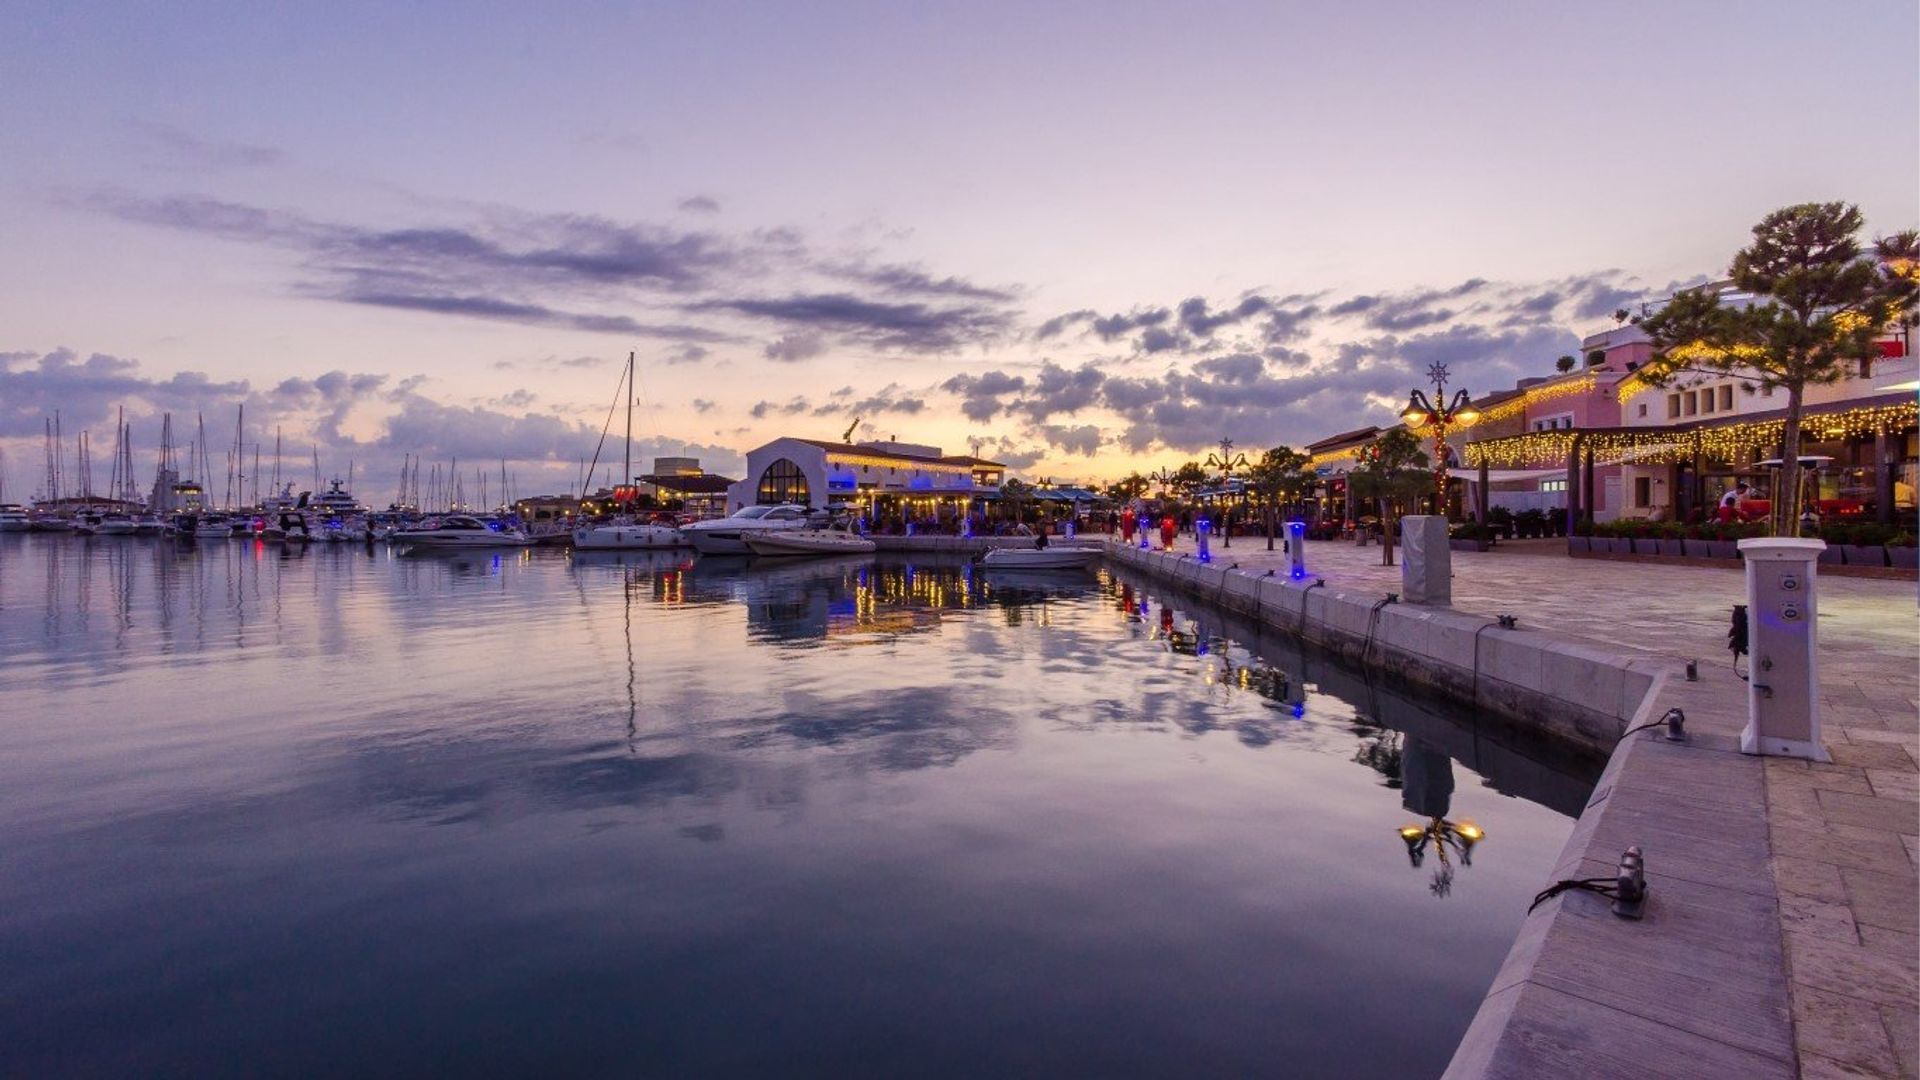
[1690, 446]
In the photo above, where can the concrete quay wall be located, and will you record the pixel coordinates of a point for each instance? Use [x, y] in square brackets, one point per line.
[1698, 987]
[1565, 689]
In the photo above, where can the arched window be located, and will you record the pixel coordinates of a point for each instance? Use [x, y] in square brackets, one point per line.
[783, 482]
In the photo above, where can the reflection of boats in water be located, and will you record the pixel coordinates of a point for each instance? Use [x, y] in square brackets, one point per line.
[838, 540]
[653, 559]
[1051, 557]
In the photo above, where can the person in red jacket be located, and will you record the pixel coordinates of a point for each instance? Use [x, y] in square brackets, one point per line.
[1168, 526]
[1126, 525]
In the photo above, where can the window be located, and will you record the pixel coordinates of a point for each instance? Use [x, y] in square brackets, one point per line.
[1673, 406]
[783, 482]
[1706, 400]
[1643, 491]
[1553, 485]
[1689, 403]
[1726, 398]
[1643, 408]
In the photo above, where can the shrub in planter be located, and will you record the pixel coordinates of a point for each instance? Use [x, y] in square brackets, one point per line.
[1530, 523]
[1470, 537]
[1500, 521]
[1902, 552]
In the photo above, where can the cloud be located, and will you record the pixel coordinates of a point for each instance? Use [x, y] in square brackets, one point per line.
[688, 353]
[794, 348]
[980, 394]
[913, 281]
[908, 327]
[702, 405]
[87, 392]
[186, 147]
[700, 204]
[1083, 439]
[487, 307]
[1056, 390]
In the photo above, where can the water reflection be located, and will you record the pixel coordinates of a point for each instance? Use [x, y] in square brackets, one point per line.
[885, 815]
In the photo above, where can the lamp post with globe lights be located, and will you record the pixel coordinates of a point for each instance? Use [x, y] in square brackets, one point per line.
[1445, 414]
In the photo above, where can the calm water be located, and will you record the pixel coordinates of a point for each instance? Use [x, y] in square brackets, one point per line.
[378, 814]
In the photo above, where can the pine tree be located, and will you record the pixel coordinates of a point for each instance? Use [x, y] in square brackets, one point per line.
[1819, 303]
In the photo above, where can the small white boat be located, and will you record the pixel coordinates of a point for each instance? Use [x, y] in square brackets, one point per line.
[1051, 557]
[116, 525]
[788, 542]
[14, 518]
[213, 527]
[461, 531]
[622, 536]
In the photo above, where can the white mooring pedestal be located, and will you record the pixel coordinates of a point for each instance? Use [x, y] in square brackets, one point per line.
[1296, 542]
[1783, 681]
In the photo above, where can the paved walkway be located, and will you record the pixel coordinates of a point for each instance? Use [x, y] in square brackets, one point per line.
[1842, 836]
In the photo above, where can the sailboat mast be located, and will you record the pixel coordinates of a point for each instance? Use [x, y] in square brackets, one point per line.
[626, 477]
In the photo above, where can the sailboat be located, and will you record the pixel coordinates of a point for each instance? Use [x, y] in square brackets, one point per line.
[625, 533]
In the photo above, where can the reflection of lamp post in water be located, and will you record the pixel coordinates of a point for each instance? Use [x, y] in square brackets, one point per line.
[1226, 461]
[1427, 779]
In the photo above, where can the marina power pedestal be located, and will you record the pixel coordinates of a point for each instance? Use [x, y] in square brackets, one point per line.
[1783, 677]
[1297, 550]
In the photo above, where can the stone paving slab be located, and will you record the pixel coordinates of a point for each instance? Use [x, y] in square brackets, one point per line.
[1829, 849]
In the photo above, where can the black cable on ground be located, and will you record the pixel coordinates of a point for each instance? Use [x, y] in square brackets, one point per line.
[1605, 886]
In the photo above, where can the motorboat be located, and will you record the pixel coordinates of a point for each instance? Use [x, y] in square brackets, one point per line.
[837, 540]
[1051, 557]
[460, 531]
[726, 536]
[351, 531]
[14, 518]
[212, 527]
[116, 525]
[149, 525]
[625, 535]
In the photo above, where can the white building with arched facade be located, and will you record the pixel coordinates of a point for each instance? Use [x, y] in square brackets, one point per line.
[831, 475]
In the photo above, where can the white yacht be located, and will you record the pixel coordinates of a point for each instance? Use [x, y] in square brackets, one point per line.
[1051, 557]
[726, 536]
[460, 530]
[13, 518]
[839, 539]
[212, 527]
[336, 502]
[622, 535]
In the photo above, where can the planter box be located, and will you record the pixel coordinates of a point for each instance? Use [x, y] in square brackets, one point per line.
[1468, 545]
[1696, 549]
[1830, 556]
[1863, 554]
[1581, 545]
[1723, 549]
[1670, 547]
[1906, 558]
[1619, 546]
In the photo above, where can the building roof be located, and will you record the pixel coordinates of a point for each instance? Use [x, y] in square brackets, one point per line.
[1333, 442]
[696, 484]
[870, 450]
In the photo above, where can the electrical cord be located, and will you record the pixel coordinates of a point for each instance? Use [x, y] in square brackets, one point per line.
[1605, 886]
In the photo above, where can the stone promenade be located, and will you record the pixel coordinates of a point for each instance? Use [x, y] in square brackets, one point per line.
[1841, 838]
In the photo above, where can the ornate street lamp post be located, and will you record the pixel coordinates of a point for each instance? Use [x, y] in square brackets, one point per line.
[1226, 461]
[1420, 412]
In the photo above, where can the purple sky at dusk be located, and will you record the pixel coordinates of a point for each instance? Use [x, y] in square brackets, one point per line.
[1088, 238]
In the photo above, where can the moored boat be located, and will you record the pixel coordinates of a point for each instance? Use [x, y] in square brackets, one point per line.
[726, 536]
[619, 535]
[460, 530]
[14, 518]
[793, 542]
[1052, 557]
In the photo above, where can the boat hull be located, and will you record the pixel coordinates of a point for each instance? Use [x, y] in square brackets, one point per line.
[497, 540]
[1051, 558]
[628, 538]
[798, 543]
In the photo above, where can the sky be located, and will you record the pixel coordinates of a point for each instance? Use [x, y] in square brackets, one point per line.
[1081, 239]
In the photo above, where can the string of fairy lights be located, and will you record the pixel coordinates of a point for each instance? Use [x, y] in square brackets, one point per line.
[1729, 442]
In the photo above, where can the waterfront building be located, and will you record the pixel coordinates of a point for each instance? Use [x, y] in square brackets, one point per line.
[1628, 449]
[1331, 459]
[867, 477]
